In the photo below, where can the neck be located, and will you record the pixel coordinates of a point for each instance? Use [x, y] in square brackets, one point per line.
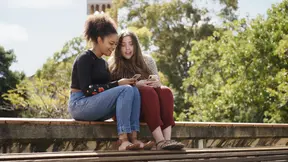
[95, 49]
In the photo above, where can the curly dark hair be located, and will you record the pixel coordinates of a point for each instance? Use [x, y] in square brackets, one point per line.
[100, 25]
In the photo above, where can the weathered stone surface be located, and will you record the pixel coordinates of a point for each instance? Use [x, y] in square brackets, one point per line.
[52, 135]
[16, 146]
[102, 131]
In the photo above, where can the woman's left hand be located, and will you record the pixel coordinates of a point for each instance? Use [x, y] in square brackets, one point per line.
[155, 84]
[143, 83]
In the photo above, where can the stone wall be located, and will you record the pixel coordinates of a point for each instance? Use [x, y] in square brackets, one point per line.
[53, 135]
[14, 146]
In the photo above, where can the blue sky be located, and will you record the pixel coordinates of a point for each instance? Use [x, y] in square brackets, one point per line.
[35, 29]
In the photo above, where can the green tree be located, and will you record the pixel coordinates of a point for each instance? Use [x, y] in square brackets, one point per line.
[240, 74]
[170, 28]
[46, 94]
[8, 78]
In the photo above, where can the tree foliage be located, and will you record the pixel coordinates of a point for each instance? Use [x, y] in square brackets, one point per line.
[230, 72]
[46, 94]
[240, 74]
[8, 78]
[170, 27]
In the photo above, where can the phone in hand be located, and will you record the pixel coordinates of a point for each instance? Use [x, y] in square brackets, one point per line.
[152, 77]
[136, 76]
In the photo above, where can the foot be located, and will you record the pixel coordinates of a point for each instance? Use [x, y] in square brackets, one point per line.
[144, 146]
[126, 145]
[159, 145]
[135, 141]
[148, 145]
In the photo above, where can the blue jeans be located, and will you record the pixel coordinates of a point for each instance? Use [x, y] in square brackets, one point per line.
[124, 101]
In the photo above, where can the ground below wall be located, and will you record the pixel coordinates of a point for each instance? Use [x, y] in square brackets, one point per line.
[43, 145]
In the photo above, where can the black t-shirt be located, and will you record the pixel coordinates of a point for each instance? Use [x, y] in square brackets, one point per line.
[91, 74]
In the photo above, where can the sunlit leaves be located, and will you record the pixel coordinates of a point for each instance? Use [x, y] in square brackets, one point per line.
[240, 75]
[46, 94]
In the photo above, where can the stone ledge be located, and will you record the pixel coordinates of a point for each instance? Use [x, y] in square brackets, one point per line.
[52, 135]
[24, 128]
[49, 121]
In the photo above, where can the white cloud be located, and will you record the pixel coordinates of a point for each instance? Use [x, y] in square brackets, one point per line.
[12, 32]
[39, 4]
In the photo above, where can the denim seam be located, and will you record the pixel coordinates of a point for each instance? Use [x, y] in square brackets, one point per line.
[123, 130]
[135, 128]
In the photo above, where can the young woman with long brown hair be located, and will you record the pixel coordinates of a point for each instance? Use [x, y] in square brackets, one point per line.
[156, 100]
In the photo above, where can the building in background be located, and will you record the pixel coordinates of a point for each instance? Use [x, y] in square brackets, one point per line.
[101, 5]
[98, 5]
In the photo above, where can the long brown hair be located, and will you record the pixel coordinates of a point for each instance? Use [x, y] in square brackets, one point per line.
[126, 68]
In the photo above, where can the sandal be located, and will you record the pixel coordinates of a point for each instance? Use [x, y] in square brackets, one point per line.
[169, 145]
[176, 145]
[160, 147]
[148, 145]
[130, 147]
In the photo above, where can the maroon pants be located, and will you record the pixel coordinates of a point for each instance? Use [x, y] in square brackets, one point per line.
[157, 106]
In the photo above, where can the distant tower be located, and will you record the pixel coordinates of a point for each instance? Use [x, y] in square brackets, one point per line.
[100, 5]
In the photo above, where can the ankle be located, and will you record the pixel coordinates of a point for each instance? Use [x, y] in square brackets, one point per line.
[158, 140]
[123, 136]
[132, 136]
[161, 141]
[133, 140]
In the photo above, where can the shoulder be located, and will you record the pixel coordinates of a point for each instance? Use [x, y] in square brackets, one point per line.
[148, 58]
[151, 64]
[84, 56]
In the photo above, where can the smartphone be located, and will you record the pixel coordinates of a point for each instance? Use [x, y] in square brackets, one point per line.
[136, 76]
[152, 77]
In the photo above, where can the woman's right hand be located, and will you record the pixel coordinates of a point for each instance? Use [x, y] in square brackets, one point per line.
[125, 81]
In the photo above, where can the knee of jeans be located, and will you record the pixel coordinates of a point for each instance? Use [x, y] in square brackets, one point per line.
[127, 88]
[136, 91]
